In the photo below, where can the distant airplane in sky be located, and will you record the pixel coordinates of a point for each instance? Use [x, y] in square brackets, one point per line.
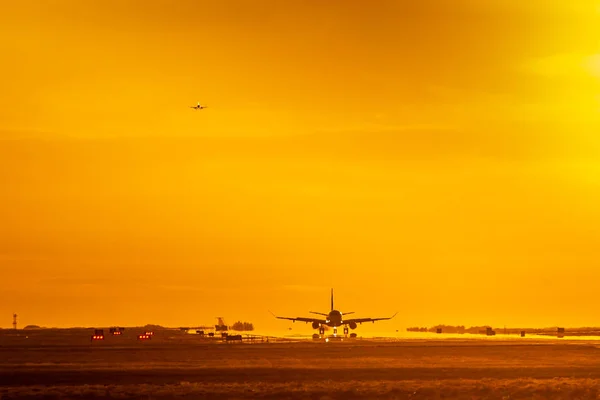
[334, 319]
[198, 107]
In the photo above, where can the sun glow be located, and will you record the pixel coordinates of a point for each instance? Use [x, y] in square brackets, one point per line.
[592, 65]
[317, 154]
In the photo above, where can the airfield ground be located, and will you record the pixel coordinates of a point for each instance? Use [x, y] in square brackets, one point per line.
[64, 364]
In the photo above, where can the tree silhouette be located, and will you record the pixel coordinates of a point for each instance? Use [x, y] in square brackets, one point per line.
[242, 326]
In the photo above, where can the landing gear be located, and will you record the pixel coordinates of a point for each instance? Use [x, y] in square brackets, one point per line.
[335, 331]
[345, 331]
[321, 331]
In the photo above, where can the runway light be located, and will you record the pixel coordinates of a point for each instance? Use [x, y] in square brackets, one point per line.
[326, 340]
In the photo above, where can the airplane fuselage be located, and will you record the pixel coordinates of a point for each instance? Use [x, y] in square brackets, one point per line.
[334, 318]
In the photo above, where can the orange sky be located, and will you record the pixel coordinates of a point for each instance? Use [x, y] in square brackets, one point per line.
[439, 159]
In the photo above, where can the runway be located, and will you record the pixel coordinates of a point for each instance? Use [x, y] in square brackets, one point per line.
[175, 365]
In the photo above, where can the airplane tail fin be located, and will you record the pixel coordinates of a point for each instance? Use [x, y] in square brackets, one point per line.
[331, 299]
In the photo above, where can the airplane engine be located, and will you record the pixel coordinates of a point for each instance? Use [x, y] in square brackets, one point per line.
[316, 325]
[352, 325]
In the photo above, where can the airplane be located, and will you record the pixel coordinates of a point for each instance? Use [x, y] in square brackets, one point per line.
[198, 107]
[334, 319]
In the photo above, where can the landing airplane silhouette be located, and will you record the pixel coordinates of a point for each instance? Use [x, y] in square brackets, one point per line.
[198, 107]
[333, 319]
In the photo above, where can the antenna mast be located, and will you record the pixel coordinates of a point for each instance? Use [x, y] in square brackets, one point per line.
[14, 321]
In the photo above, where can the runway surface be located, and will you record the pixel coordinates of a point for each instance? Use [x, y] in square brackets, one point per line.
[68, 365]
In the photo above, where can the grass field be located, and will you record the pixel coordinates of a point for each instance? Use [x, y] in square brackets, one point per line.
[65, 364]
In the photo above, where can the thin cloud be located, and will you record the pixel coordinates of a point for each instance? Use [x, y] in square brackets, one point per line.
[564, 65]
[304, 288]
[30, 135]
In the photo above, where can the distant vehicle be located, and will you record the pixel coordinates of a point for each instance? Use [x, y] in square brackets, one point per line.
[198, 107]
[117, 331]
[230, 338]
[334, 319]
[98, 334]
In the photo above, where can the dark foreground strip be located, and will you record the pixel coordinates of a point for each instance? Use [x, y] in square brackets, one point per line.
[281, 375]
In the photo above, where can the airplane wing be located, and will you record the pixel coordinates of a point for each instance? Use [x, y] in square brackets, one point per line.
[361, 320]
[302, 319]
[307, 320]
